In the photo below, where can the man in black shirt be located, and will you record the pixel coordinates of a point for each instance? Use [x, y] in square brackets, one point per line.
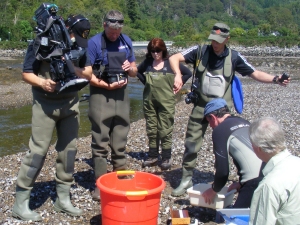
[51, 110]
[214, 75]
[231, 137]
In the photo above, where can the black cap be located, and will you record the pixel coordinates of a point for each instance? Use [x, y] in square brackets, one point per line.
[80, 27]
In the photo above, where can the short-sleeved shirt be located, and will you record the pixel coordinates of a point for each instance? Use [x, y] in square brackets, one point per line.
[231, 137]
[32, 65]
[239, 63]
[122, 44]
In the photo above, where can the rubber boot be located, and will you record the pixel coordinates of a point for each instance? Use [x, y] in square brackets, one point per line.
[21, 208]
[96, 194]
[186, 182]
[100, 168]
[63, 202]
[152, 159]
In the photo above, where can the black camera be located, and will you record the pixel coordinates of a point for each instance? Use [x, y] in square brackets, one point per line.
[284, 77]
[53, 44]
[192, 97]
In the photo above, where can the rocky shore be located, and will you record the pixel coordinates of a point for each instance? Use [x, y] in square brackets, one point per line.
[246, 51]
[260, 100]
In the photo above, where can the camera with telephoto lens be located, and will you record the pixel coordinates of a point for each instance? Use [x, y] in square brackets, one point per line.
[53, 44]
[192, 97]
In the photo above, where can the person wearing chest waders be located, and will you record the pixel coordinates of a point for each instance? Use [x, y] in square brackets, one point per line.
[51, 110]
[159, 101]
[216, 65]
[113, 61]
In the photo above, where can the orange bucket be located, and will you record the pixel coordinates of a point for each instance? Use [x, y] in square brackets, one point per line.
[130, 201]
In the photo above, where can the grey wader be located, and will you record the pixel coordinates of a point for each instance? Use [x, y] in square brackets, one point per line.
[49, 111]
[21, 208]
[109, 115]
[212, 84]
[63, 202]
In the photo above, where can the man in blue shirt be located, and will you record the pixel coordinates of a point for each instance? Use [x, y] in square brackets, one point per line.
[113, 61]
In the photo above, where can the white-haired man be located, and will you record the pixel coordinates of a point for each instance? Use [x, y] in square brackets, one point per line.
[277, 197]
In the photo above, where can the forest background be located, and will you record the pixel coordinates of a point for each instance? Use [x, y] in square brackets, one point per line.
[252, 22]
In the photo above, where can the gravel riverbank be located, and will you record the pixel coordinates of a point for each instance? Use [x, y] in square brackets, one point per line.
[260, 100]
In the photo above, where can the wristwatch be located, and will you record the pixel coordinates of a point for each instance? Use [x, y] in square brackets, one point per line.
[275, 79]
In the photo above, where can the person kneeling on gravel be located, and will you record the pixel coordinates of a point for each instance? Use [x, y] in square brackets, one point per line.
[230, 137]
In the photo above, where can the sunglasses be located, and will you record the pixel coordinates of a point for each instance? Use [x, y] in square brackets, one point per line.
[157, 51]
[224, 30]
[115, 21]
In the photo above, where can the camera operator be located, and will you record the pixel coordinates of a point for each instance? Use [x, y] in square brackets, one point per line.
[214, 73]
[51, 110]
[112, 59]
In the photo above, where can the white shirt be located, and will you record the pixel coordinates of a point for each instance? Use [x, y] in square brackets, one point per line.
[276, 201]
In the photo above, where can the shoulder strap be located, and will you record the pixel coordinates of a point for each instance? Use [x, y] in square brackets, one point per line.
[103, 42]
[200, 53]
[130, 49]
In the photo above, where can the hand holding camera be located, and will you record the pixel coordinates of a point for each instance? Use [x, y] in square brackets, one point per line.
[284, 77]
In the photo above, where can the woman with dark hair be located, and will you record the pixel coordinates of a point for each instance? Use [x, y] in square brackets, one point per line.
[159, 101]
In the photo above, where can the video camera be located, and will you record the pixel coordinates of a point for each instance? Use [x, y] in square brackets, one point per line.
[53, 44]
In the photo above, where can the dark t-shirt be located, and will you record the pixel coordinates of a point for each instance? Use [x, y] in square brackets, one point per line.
[146, 65]
[239, 63]
[231, 137]
[32, 65]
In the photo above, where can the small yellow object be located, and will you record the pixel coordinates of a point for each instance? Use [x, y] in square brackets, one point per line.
[180, 217]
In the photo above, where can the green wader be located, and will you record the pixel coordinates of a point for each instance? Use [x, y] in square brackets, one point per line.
[196, 127]
[50, 111]
[159, 110]
[109, 116]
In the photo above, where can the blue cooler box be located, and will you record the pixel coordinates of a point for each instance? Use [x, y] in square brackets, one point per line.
[235, 216]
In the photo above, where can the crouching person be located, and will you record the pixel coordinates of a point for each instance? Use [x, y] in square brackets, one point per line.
[231, 138]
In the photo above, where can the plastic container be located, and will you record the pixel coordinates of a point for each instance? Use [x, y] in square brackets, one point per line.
[222, 199]
[130, 197]
[239, 213]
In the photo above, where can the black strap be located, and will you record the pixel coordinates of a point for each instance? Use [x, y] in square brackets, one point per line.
[200, 53]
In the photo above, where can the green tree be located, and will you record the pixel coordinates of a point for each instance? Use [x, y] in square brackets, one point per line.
[264, 29]
[253, 32]
[22, 31]
[237, 32]
[279, 17]
[132, 10]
